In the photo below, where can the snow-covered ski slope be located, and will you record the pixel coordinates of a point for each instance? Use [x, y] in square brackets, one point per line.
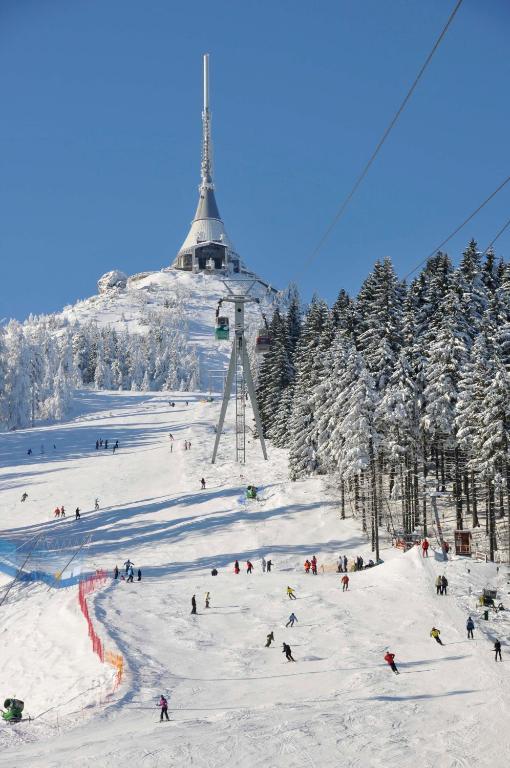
[232, 701]
[186, 299]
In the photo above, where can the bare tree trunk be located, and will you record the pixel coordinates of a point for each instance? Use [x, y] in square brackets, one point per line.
[342, 499]
[466, 492]
[458, 491]
[443, 481]
[416, 494]
[476, 522]
[492, 520]
[356, 495]
[363, 504]
[425, 473]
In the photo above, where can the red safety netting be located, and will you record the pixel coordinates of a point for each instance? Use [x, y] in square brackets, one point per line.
[86, 587]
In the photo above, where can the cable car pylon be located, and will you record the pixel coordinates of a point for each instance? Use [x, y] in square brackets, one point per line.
[239, 368]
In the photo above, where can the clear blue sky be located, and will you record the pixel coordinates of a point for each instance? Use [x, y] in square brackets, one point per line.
[100, 135]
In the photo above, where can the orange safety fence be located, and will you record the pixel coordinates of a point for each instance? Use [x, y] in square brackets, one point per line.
[86, 587]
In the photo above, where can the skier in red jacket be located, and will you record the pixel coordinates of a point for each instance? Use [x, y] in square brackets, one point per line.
[425, 548]
[389, 658]
[345, 583]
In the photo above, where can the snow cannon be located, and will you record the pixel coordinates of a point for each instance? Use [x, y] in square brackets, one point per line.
[13, 710]
[251, 492]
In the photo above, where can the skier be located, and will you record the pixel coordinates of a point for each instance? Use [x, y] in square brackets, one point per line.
[269, 565]
[207, 599]
[308, 565]
[163, 703]
[214, 572]
[435, 634]
[130, 574]
[96, 504]
[62, 511]
[497, 651]
[236, 567]
[390, 659]
[193, 604]
[314, 565]
[116, 572]
[127, 564]
[263, 564]
[345, 563]
[444, 584]
[425, 548]
[97, 445]
[292, 619]
[29, 452]
[290, 593]
[106, 445]
[139, 575]
[345, 583]
[287, 651]
[269, 639]
[438, 585]
[202, 482]
[116, 444]
[340, 565]
[470, 625]
[24, 497]
[77, 513]
[56, 513]
[249, 567]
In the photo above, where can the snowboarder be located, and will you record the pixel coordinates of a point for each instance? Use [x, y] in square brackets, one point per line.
[96, 504]
[139, 575]
[444, 584]
[435, 634]
[116, 572]
[193, 604]
[236, 567]
[314, 565]
[345, 583]
[207, 599]
[130, 574]
[389, 658]
[77, 513]
[249, 566]
[269, 639]
[438, 585]
[425, 548]
[269, 565]
[62, 511]
[127, 564]
[308, 565]
[202, 482]
[292, 619]
[288, 652]
[497, 651]
[263, 564]
[163, 703]
[24, 497]
[290, 593]
[470, 625]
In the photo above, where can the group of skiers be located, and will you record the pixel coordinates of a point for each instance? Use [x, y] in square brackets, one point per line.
[129, 572]
[311, 565]
[60, 512]
[104, 444]
[266, 566]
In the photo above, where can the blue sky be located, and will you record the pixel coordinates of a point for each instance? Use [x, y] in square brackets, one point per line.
[100, 136]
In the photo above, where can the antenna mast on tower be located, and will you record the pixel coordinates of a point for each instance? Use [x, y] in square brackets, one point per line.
[206, 170]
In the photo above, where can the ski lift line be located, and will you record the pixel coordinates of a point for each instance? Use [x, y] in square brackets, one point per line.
[86, 541]
[382, 140]
[461, 226]
[20, 569]
[503, 228]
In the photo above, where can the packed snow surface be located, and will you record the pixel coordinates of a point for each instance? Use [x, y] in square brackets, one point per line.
[232, 701]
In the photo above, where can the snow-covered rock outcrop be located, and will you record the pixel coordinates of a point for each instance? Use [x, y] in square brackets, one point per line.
[114, 279]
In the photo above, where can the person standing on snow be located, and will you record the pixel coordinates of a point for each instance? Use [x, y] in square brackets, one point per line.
[131, 574]
[96, 504]
[444, 584]
[497, 651]
[139, 575]
[314, 565]
[269, 565]
[425, 548]
[127, 564]
[308, 565]
[435, 634]
[163, 703]
[249, 567]
[202, 482]
[193, 604]
[207, 599]
[389, 658]
[288, 652]
[236, 567]
[292, 618]
[340, 565]
[290, 593]
[438, 585]
[24, 497]
[263, 564]
[77, 513]
[346, 562]
[470, 625]
[116, 573]
[345, 583]
[269, 639]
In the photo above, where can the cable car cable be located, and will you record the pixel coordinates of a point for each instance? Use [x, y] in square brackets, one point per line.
[503, 228]
[457, 229]
[382, 140]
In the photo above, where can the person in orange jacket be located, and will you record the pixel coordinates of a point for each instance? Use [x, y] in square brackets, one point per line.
[345, 583]
[307, 566]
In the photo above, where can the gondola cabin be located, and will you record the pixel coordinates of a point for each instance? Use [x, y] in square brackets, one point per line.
[263, 341]
[222, 331]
